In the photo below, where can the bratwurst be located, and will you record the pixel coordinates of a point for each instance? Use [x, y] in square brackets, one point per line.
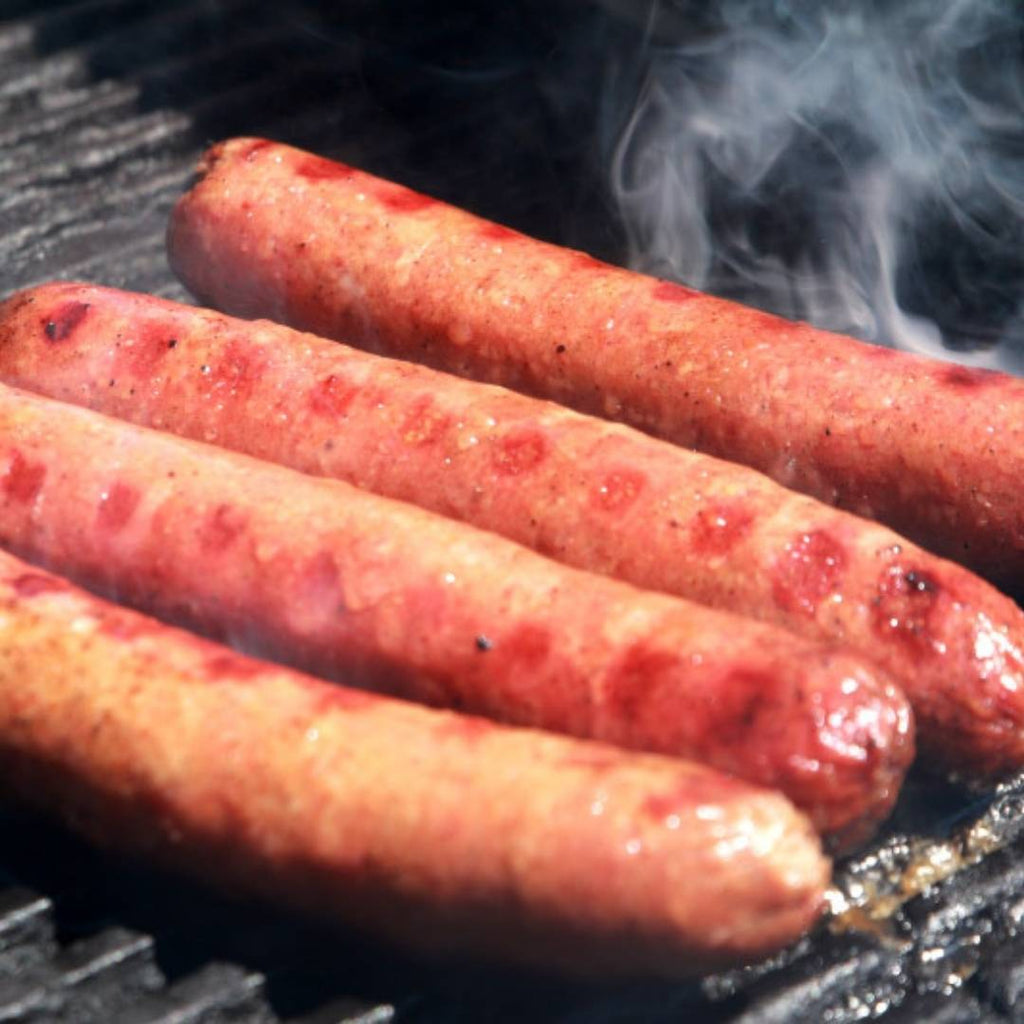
[597, 495]
[434, 829]
[385, 595]
[935, 451]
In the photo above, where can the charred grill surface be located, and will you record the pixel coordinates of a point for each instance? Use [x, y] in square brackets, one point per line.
[104, 107]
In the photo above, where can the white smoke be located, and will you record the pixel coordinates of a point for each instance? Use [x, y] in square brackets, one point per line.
[860, 166]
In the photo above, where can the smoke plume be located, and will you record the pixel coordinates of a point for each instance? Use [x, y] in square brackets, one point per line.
[860, 166]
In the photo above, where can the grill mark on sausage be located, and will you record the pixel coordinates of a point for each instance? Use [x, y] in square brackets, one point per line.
[811, 568]
[633, 679]
[906, 602]
[240, 369]
[394, 197]
[317, 168]
[220, 528]
[540, 681]
[117, 506]
[967, 378]
[24, 478]
[491, 232]
[62, 321]
[670, 291]
[716, 529]
[424, 423]
[227, 664]
[752, 694]
[402, 200]
[254, 147]
[319, 585]
[617, 490]
[519, 451]
[142, 351]
[331, 396]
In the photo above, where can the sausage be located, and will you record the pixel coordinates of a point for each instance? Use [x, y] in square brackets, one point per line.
[934, 450]
[351, 585]
[597, 495]
[431, 828]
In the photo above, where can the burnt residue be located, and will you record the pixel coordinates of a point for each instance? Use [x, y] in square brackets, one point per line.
[905, 606]
[62, 322]
[911, 918]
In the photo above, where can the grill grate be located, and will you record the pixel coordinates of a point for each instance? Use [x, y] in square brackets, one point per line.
[87, 956]
[112, 978]
[104, 107]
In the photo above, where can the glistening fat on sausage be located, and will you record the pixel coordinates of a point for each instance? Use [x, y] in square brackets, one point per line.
[386, 595]
[936, 451]
[594, 494]
[434, 829]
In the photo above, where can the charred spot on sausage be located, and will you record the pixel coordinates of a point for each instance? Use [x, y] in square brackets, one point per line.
[905, 604]
[64, 320]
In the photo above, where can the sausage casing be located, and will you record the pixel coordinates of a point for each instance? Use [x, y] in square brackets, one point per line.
[434, 829]
[594, 494]
[934, 450]
[385, 595]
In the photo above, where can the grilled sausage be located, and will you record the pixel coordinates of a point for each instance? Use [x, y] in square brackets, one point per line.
[385, 595]
[429, 827]
[594, 494]
[936, 451]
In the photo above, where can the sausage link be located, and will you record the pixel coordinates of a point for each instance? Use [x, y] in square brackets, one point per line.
[934, 450]
[431, 828]
[596, 495]
[386, 595]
